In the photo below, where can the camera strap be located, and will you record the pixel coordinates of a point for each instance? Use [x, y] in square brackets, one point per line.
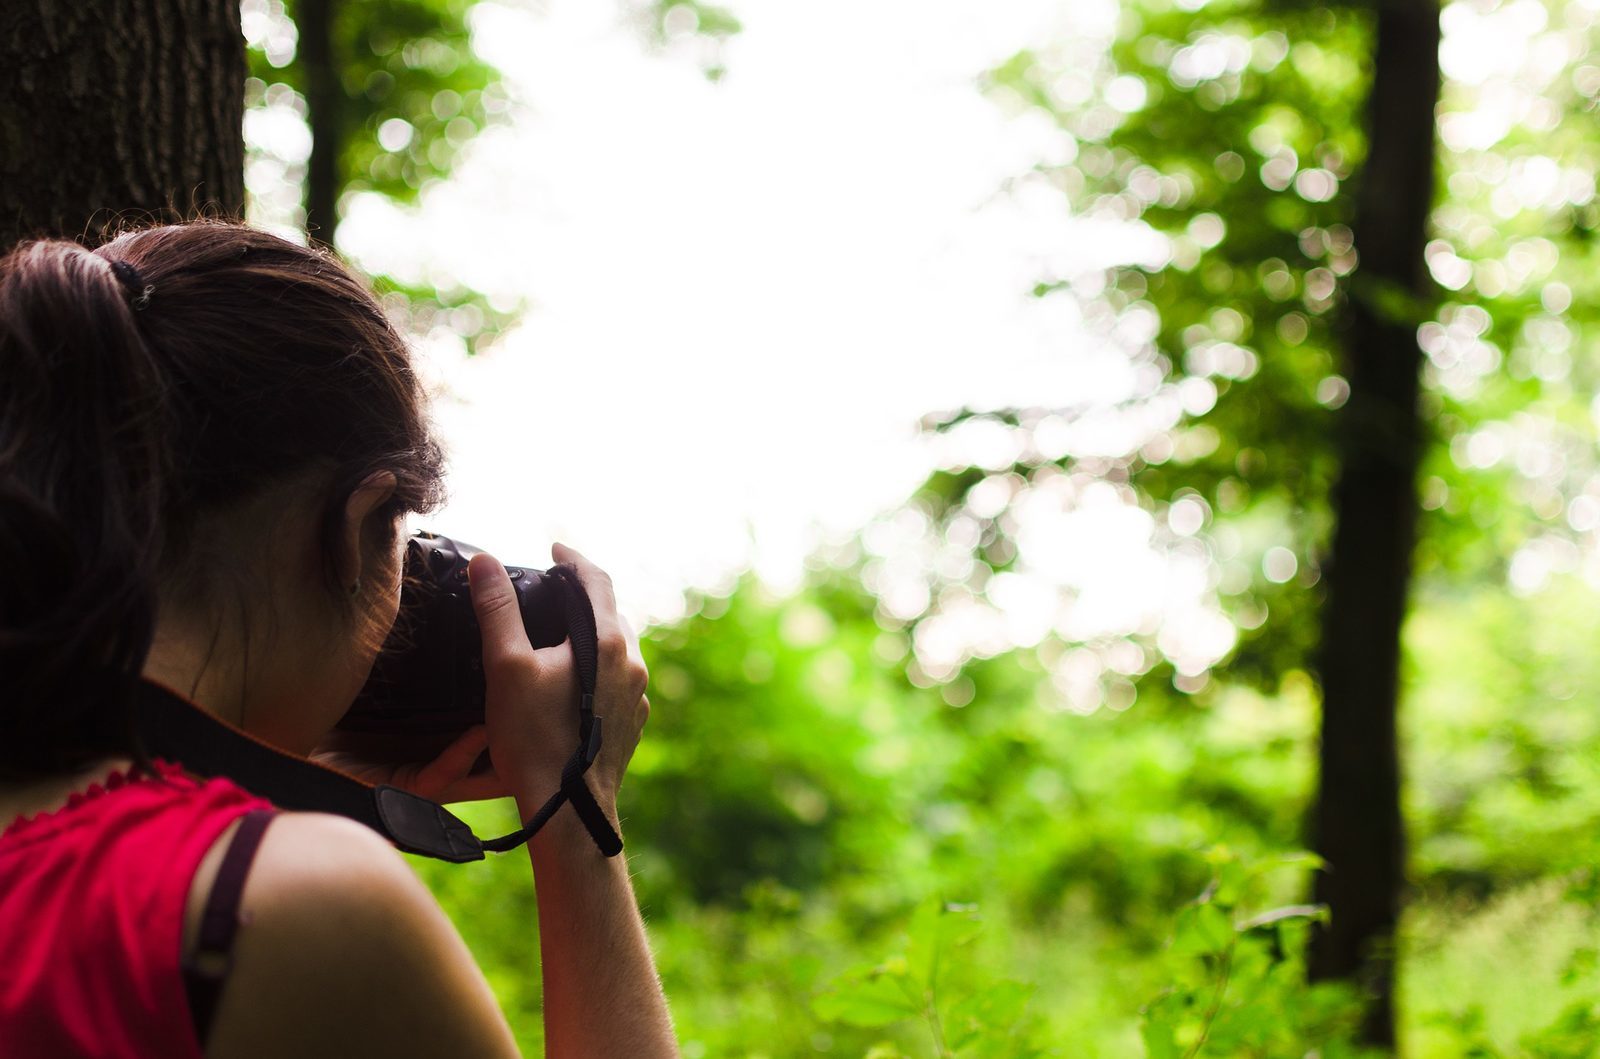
[584, 638]
[172, 727]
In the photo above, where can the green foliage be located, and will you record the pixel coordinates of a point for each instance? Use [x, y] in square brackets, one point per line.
[1232, 131]
[406, 67]
[772, 744]
[804, 834]
[1510, 369]
[408, 93]
[1504, 737]
[931, 981]
[798, 799]
[705, 28]
[1238, 983]
[1510, 978]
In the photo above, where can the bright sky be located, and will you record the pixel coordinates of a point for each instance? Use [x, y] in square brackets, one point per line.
[744, 294]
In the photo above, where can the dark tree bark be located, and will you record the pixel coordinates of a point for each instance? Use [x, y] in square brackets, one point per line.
[325, 99]
[1357, 824]
[111, 107]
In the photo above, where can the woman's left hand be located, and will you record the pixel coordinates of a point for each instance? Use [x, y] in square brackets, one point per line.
[447, 778]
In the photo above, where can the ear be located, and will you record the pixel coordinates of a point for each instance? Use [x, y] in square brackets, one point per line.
[365, 520]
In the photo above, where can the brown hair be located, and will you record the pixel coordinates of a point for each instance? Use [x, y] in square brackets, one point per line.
[126, 420]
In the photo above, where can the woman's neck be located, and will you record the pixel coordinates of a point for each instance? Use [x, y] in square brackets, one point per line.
[197, 670]
[287, 689]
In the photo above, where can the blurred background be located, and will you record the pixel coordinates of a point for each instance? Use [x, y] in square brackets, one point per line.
[954, 391]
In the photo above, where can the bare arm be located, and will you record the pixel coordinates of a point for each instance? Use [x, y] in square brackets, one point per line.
[602, 998]
[344, 953]
[601, 994]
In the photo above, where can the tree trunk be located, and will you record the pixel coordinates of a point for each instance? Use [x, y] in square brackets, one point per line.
[1357, 822]
[112, 108]
[325, 100]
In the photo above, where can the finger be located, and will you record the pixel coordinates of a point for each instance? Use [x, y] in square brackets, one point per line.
[635, 652]
[557, 664]
[631, 636]
[478, 788]
[354, 767]
[612, 640]
[595, 580]
[499, 616]
[456, 760]
[452, 765]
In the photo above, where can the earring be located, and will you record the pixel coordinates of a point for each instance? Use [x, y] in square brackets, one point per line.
[355, 589]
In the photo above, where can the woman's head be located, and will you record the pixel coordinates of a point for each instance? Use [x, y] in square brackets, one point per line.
[159, 422]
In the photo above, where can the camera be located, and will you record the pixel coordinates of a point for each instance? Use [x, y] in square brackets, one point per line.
[427, 685]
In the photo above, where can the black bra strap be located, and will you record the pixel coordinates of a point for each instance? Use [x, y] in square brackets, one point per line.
[205, 971]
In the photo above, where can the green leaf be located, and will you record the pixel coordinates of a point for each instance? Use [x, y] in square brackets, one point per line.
[991, 1012]
[1159, 1040]
[1203, 930]
[937, 930]
[874, 996]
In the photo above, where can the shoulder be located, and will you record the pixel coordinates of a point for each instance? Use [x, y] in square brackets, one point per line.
[342, 951]
[305, 862]
[312, 861]
[319, 855]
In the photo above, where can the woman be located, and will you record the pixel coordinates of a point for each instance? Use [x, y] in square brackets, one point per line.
[209, 440]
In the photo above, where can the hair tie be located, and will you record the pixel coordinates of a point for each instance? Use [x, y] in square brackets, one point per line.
[138, 290]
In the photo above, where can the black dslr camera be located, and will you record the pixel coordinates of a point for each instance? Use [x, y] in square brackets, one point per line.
[427, 684]
[426, 688]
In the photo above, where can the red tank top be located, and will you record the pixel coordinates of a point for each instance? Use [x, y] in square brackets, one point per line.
[92, 901]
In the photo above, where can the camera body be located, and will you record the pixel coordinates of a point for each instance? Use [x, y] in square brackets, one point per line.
[427, 685]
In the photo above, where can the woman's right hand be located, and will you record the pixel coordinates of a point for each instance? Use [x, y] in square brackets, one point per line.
[532, 702]
[611, 1007]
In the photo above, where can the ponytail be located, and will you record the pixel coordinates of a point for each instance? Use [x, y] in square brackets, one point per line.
[150, 391]
[83, 467]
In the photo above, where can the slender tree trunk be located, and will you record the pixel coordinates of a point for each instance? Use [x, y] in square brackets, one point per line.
[326, 101]
[113, 108]
[1357, 825]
